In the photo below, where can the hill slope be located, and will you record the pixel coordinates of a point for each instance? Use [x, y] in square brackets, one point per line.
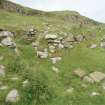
[39, 52]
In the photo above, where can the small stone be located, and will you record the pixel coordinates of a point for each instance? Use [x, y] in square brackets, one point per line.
[50, 36]
[8, 42]
[80, 38]
[55, 59]
[42, 55]
[6, 34]
[93, 46]
[97, 76]
[80, 73]
[13, 96]
[61, 46]
[102, 44]
[25, 83]
[94, 94]
[14, 78]
[56, 70]
[88, 79]
[70, 90]
[52, 49]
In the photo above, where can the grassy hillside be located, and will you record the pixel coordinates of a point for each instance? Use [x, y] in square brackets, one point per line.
[46, 87]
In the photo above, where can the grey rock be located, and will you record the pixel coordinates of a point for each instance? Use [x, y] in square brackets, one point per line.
[6, 34]
[69, 38]
[79, 72]
[97, 76]
[42, 54]
[80, 38]
[88, 79]
[93, 46]
[69, 90]
[50, 36]
[8, 42]
[55, 69]
[13, 96]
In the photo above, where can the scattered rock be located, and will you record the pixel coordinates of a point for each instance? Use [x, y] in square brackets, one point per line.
[13, 96]
[80, 73]
[97, 76]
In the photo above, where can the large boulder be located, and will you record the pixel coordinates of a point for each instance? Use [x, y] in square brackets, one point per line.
[8, 41]
[13, 96]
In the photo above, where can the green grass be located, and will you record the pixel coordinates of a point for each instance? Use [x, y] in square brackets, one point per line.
[46, 87]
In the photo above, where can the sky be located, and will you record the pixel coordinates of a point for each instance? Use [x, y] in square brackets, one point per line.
[94, 9]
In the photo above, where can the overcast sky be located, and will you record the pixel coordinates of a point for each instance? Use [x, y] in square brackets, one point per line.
[94, 9]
